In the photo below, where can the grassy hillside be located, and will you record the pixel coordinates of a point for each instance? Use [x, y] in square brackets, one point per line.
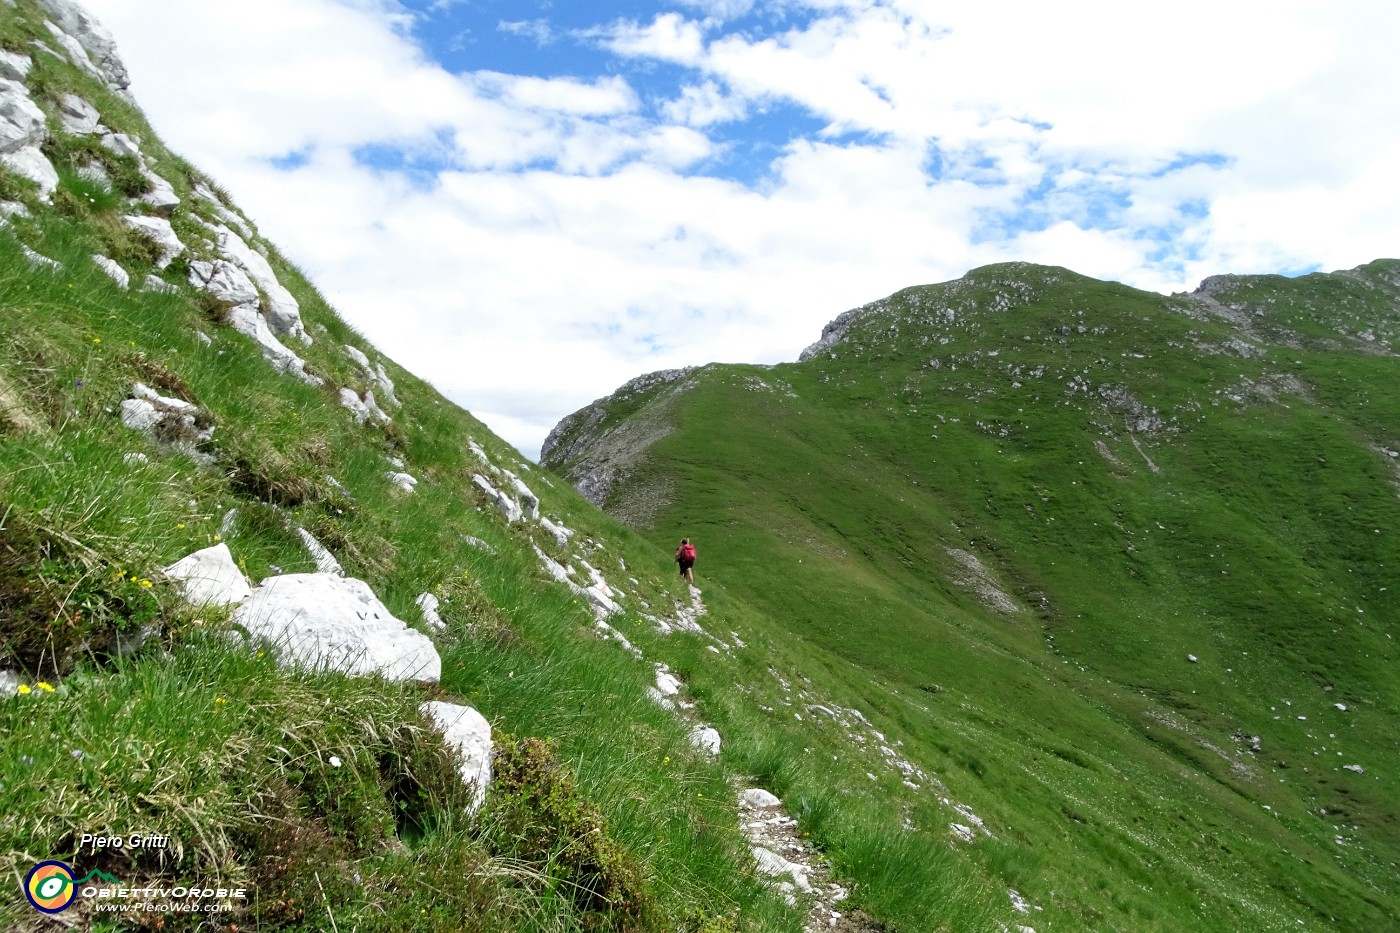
[329, 798]
[1118, 568]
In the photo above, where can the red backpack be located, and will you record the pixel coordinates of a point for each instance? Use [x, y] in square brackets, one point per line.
[687, 552]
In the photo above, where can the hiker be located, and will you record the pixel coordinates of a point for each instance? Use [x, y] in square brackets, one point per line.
[685, 557]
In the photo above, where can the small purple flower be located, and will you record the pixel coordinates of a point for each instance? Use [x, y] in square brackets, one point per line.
[274, 568]
[78, 383]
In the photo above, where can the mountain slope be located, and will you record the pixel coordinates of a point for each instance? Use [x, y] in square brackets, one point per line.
[1120, 565]
[171, 386]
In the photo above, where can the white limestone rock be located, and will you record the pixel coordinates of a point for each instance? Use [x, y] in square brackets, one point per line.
[224, 281]
[123, 145]
[9, 209]
[170, 422]
[324, 621]
[109, 266]
[404, 481]
[1354, 768]
[162, 197]
[210, 577]
[759, 799]
[364, 409]
[9, 684]
[374, 374]
[529, 502]
[667, 684]
[775, 866]
[479, 544]
[77, 116]
[247, 321]
[468, 734]
[428, 604]
[206, 193]
[21, 121]
[561, 534]
[158, 229]
[155, 283]
[39, 261]
[283, 312]
[74, 51]
[325, 560]
[504, 503]
[14, 66]
[92, 37]
[139, 415]
[706, 739]
[31, 163]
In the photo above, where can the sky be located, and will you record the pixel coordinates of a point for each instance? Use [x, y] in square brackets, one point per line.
[528, 203]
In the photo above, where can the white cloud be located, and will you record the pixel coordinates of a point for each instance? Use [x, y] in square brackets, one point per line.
[537, 29]
[569, 243]
[704, 105]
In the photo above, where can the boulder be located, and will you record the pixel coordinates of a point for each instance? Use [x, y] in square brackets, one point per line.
[31, 163]
[158, 229]
[14, 66]
[323, 621]
[10, 209]
[224, 281]
[123, 145]
[21, 121]
[706, 739]
[77, 116]
[74, 51]
[162, 197]
[210, 577]
[109, 266]
[758, 799]
[468, 734]
[374, 374]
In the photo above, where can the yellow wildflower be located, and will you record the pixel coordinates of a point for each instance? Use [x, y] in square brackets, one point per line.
[97, 340]
[218, 537]
[220, 701]
[147, 584]
[24, 690]
[181, 525]
[45, 686]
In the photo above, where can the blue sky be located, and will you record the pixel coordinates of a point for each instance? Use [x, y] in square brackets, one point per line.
[529, 202]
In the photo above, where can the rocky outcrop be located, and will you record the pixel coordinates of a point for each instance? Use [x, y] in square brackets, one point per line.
[95, 46]
[599, 461]
[835, 332]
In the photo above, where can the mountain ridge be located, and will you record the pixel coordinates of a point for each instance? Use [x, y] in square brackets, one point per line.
[1185, 502]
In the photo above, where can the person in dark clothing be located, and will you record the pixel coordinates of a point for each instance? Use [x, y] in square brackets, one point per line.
[685, 557]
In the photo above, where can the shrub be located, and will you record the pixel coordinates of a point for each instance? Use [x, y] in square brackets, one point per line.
[535, 813]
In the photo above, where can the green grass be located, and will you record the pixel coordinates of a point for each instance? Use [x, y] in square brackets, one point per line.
[1104, 761]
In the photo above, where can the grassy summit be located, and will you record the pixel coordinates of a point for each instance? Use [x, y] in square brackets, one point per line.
[1122, 568]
